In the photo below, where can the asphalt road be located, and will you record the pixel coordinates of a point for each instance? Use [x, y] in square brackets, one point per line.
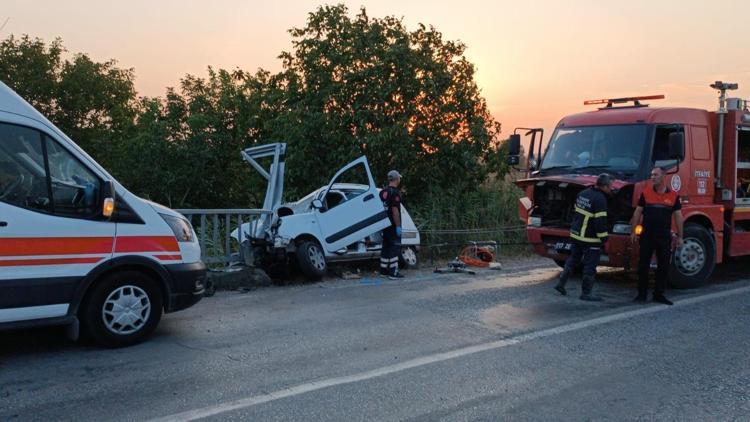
[498, 345]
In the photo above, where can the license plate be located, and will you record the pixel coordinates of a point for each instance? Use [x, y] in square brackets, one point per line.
[563, 246]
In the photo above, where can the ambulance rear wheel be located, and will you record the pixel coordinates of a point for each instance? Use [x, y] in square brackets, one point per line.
[693, 263]
[123, 309]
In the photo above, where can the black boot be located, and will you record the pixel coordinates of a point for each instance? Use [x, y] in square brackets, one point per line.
[560, 287]
[586, 286]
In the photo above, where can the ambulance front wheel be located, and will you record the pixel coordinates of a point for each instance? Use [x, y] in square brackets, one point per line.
[123, 309]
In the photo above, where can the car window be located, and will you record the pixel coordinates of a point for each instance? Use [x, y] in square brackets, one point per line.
[23, 178]
[355, 175]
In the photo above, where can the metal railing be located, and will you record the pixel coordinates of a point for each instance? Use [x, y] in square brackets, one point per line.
[214, 228]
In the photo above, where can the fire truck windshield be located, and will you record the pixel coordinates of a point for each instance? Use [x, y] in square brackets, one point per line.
[616, 148]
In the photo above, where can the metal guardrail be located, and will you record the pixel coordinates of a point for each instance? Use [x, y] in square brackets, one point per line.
[214, 227]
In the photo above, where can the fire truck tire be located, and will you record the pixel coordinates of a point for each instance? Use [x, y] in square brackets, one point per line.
[694, 262]
[123, 309]
[311, 260]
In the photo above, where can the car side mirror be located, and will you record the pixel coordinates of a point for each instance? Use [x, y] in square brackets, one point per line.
[317, 204]
[677, 145]
[109, 195]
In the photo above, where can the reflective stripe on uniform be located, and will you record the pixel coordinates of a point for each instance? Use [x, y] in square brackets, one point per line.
[584, 212]
[600, 235]
[585, 239]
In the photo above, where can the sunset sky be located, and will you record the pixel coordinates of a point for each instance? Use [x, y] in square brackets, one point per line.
[536, 60]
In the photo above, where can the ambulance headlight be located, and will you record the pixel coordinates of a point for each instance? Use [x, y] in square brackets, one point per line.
[622, 229]
[180, 227]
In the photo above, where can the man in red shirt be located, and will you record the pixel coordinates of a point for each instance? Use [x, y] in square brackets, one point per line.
[657, 205]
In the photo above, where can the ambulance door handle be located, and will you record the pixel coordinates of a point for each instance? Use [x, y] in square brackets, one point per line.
[368, 197]
[3, 223]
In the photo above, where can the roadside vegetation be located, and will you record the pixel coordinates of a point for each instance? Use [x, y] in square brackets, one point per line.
[350, 85]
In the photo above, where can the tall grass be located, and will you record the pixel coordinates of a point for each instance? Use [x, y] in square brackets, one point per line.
[449, 220]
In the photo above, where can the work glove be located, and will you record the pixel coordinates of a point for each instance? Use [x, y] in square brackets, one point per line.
[398, 231]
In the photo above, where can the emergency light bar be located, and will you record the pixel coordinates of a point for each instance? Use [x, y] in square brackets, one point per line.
[636, 100]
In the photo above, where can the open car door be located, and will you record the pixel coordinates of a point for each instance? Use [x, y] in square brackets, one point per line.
[359, 215]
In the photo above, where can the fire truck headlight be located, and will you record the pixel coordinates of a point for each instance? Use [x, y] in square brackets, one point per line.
[535, 221]
[622, 229]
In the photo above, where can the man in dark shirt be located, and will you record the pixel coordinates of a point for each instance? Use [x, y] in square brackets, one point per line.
[391, 249]
[656, 205]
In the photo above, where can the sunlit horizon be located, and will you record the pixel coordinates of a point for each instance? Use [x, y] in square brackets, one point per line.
[536, 61]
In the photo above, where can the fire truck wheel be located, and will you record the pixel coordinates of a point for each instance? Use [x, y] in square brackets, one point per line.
[694, 262]
[123, 309]
[311, 260]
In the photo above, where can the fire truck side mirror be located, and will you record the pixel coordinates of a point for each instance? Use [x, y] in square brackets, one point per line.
[514, 150]
[677, 145]
[514, 144]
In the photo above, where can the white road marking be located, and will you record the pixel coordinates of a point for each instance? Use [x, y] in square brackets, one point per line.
[247, 402]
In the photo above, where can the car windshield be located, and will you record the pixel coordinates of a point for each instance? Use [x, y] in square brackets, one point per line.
[617, 148]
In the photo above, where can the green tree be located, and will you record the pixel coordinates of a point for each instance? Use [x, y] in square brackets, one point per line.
[406, 99]
[192, 140]
[92, 102]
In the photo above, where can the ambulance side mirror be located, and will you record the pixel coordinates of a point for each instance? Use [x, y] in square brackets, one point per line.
[109, 195]
[317, 204]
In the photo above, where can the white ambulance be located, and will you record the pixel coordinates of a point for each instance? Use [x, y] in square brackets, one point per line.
[76, 247]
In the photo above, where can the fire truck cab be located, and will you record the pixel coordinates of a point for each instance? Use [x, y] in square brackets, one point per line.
[707, 158]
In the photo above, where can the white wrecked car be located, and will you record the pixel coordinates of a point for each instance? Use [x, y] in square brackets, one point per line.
[341, 221]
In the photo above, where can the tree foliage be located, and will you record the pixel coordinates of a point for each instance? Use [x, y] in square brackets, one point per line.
[350, 86]
[405, 99]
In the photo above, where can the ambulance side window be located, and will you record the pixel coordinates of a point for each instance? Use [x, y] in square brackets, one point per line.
[23, 176]
[75, 189]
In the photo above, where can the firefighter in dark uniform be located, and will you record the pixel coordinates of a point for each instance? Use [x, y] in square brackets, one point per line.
[589, 234]
[391, 250]
[656, 205]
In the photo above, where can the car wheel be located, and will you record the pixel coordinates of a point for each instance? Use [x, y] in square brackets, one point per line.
[408, 258]
[122, 309]
[693, 263]
[311, 260]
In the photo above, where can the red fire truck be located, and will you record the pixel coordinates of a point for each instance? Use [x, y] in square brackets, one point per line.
[707, 158]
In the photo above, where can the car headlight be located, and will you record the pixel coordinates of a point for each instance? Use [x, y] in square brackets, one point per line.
[181, 228]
